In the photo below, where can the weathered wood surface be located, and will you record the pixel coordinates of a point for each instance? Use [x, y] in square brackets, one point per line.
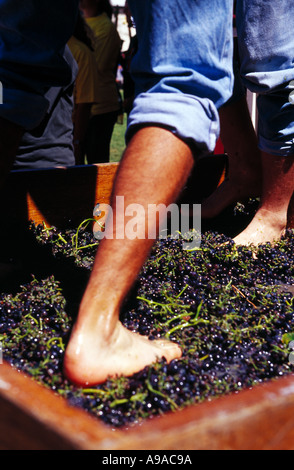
[34, 418]
[67, 196]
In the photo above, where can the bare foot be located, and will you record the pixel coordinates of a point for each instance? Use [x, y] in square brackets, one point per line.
[90, 358]
[266, 227]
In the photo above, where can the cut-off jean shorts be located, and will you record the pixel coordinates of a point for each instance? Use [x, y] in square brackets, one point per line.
[183, 70]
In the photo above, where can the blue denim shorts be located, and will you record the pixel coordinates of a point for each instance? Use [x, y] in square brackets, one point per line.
[183, 69]
[266, 44]
[33, 36]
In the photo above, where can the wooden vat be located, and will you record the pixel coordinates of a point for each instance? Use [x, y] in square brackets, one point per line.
[32, 417]
[61, 197]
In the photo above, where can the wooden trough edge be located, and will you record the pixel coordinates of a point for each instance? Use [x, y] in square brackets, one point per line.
[63, 195]
[35, 418]
[59, 196]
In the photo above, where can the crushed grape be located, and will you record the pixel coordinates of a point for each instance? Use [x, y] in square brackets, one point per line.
[231, 310]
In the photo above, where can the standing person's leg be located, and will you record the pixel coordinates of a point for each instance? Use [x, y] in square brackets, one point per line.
[267, 54]
[182, 75]
[244, 178]
[100, 345]
[238, 136]
[270, 222]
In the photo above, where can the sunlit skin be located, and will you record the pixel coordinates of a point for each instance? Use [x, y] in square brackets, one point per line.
[271, 219]
[100, 346]
[244, 178]
[253, 173]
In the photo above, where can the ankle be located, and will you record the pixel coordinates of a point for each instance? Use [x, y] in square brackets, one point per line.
[276, 218]
[96, 317]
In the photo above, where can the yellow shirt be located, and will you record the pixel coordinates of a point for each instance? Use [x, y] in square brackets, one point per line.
[86, 85]
[107, 45]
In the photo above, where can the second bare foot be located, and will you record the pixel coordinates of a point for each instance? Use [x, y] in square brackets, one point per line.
[266, 227]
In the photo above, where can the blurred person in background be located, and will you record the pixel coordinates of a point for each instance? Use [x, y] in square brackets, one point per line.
[50, 144]
[58, 140]
[107, 46]
[126, 61]
[33, 60]
[86, 85]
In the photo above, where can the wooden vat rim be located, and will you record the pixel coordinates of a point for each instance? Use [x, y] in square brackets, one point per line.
[227, 422]
[261, 418]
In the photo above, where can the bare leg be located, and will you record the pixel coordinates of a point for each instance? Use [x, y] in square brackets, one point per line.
[270, 221]
[244, 174]
[153, 170]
